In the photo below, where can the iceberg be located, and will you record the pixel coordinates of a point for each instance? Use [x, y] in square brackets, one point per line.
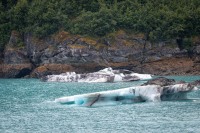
[146, 93]
[104, 75]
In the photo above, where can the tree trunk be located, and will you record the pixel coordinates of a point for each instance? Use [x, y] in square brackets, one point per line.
[144, 51]
[180, 43]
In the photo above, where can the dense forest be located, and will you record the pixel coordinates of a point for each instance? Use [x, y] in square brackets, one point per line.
[158, 20]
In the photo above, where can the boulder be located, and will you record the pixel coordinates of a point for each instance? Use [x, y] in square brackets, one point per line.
[196, 83]
[162, 81]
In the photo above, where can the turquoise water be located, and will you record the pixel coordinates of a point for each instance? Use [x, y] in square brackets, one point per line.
[26, 105]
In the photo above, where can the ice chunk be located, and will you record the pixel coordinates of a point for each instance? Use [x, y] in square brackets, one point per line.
[129, 95]
[105, 75]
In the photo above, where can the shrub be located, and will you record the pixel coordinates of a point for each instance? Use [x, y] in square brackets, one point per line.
[94, 23]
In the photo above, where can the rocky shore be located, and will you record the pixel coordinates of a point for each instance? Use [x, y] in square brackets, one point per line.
[27, 56]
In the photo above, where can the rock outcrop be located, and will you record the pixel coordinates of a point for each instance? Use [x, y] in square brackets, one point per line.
[119, 50]
[15, 63]
[15, 70]
[49, 69]
[162, 81]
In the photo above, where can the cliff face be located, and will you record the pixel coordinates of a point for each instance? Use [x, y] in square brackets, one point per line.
[65, 52]
[15, 63]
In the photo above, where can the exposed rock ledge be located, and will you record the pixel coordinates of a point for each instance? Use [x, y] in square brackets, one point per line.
[15, 70]
[64, 52]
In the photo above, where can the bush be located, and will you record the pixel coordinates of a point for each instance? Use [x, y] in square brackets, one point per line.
[94, 23]
[46, 17]
[4, 27]
[157, 19]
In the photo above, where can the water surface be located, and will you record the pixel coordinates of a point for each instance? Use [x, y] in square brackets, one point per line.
[26, 105]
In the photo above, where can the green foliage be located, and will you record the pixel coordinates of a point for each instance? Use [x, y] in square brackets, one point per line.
[4, 27]
[94, 24]
[19, 15]
[187, 43]
[156, 19]
[46, 17]
[160, 19]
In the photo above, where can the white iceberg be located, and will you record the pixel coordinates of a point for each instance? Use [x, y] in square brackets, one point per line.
[130, 95]
[142, 76]
[105, 75]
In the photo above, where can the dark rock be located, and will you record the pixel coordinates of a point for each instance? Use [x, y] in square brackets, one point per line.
[119, 51]
[119, 59]
[196, 83]
[23, 72]
[131, 78]
[197, 50]
[43, 78]
[15, 56]
[1, 57]
[48, 69]
[180, 82]
[162, 81]
[15, 70]
[35, 48]
[15, 39]
[15, 52]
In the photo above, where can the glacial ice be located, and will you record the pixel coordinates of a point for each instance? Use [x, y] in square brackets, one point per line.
[130, 95]
[105, 75]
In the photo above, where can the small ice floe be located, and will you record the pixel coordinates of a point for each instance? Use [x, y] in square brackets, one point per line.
[105, 75]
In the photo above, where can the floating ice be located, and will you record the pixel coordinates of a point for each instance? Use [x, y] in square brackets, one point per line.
[130, 95]
[142, 76]
[105, 75]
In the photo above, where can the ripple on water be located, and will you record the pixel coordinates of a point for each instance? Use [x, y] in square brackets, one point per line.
[27, 105]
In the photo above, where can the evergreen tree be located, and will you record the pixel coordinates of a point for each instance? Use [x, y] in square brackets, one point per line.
[156, 19]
